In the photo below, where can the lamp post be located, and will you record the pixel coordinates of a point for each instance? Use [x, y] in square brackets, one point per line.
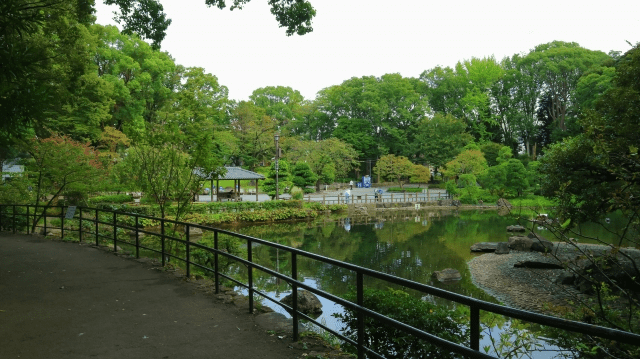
[276, 137]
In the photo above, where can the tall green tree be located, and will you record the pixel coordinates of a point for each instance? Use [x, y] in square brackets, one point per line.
[440, 139]
[558, 66]
[284, 104]
[294, 15]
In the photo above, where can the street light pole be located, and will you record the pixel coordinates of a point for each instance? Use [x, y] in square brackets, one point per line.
[276, 137]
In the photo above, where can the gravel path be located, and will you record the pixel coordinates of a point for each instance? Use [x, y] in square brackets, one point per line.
[523, 288]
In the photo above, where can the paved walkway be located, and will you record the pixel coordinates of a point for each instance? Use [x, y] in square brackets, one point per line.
[66, 300]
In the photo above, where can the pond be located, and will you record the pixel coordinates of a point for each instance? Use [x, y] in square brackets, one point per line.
[411, 244]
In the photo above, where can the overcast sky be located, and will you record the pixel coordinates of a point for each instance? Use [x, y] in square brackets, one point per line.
[247, 50]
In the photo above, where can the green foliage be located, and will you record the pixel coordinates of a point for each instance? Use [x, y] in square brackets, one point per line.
[516, 181]
[303, 176]
[295, 15]
[490, 151]
[494, 179]
[439, 139]
[408, 189]
[393, 343]
[394, 168]
[113, 198]
[297, 193]
[143, 17]
[452, 187]
[469, 192]
[470, 161]
[284, 178]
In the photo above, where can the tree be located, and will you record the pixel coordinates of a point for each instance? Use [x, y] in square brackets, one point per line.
[395, 168]
[284, 178]
[143, 17]
[494, 179]
[558, 66]
[516, 174]
[295, 15]
[439, 139]
[469, 161]
[302, 176]
[42, 52]
[591, 175]
[59, 166]
[283, 104]
[376, 115]
[170, 174]
[329, 158]
[254, 132]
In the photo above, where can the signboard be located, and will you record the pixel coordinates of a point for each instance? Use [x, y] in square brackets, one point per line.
[71, 210]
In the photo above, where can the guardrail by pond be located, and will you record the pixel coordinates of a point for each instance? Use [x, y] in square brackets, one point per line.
[99, 225]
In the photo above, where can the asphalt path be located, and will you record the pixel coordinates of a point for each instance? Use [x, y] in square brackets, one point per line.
[66, 300]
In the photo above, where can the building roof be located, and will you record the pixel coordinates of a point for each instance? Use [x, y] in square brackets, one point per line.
[237, 173]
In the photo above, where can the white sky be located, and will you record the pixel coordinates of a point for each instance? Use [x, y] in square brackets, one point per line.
[247, 50]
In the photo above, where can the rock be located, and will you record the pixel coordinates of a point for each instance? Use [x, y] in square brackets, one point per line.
[308, 303]
[502, 248]
[526, 244]
[485, 247]
[537, 265]
[516, 228]
[566, 278]
[447, 275]
[504, 203]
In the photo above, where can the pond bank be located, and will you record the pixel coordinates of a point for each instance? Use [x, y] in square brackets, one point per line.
[528, 288]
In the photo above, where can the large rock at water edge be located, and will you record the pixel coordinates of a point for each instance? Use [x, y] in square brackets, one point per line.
[516, 228]
[537, 265]
[447, 275]
[526, 244]
[504, 203]
[485, 247]
[308, 303]
[503, 248]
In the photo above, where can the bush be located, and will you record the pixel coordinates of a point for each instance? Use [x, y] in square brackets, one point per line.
[114, 198]
[393, 343]
[297, 193]
[410, 189]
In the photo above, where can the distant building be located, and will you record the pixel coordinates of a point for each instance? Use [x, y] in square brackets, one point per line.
[10, 169]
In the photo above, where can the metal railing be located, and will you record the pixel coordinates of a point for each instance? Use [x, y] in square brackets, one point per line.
[17, 217]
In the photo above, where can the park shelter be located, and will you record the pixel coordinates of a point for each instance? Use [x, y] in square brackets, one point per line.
[236, 174]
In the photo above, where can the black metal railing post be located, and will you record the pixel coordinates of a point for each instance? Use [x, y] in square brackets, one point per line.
[14, 219]
[188, 253]
[44, 211]
[294, 287]
[475, 327]
[62, 222]
[137, 239]
[162, 240]
[80, 225]
[115, 233]
[360, 302]
[97, 227]
[250, 274]
[26, 220]
[215, 261]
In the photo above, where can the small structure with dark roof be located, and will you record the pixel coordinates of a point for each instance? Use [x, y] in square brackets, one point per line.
[236, 174]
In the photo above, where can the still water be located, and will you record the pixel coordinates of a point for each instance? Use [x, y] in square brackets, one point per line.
[410, 245]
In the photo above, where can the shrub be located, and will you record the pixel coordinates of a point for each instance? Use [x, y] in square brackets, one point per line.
[297, 193]
[114, 198]
[394, 343]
